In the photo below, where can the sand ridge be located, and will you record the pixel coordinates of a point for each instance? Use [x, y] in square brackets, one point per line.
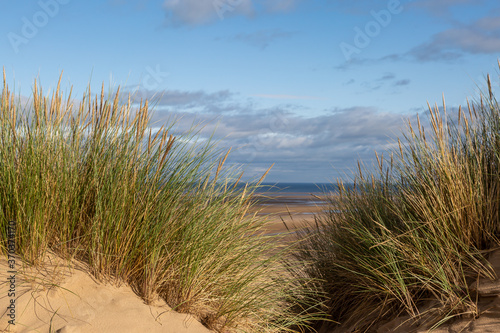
[487, 293]
[63, 299]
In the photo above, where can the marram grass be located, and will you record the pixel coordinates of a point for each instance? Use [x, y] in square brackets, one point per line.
[90, 181]
[415, 231]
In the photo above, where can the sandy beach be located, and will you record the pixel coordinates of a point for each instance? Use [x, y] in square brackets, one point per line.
[239, 166]
[65, 298]
[294, 209]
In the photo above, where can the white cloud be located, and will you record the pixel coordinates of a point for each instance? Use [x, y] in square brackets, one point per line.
[327, 145]
[284, 96]
[442, 7]
[199, 12]
[262, 39]
[479, 37]
[280, 5]
[482, 36]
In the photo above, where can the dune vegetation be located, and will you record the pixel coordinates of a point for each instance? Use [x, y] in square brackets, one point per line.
[416, 228]
[89, 180]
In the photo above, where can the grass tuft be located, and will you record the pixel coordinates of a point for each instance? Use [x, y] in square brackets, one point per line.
[415, 230]
[157, 210]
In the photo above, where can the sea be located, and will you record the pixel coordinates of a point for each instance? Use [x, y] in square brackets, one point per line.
[296, 189]
[294, 193]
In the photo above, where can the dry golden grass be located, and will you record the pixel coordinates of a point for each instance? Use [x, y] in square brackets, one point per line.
[416, 229]
[159, 211]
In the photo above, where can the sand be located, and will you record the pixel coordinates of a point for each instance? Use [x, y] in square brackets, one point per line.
[296, 215]
[486, 292]
[67, 299]
[296, 211]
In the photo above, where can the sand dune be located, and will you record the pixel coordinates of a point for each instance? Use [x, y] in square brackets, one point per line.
[487, 293]
[66, 299]
[59, 298]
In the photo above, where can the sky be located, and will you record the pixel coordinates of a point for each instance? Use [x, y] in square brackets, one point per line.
[311, 86]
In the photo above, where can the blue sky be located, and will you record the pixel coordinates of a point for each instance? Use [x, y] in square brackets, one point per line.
[311, 86]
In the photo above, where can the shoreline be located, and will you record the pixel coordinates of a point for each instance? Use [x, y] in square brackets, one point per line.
[295, 210]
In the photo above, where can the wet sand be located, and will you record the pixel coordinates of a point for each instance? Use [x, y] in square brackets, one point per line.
[294, 210]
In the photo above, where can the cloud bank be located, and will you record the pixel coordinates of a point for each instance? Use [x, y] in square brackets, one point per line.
[317, 148]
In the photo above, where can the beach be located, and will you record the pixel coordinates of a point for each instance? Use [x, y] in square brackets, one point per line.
[235, 166]
[64, 297]
[288, 212]
[115, 236]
